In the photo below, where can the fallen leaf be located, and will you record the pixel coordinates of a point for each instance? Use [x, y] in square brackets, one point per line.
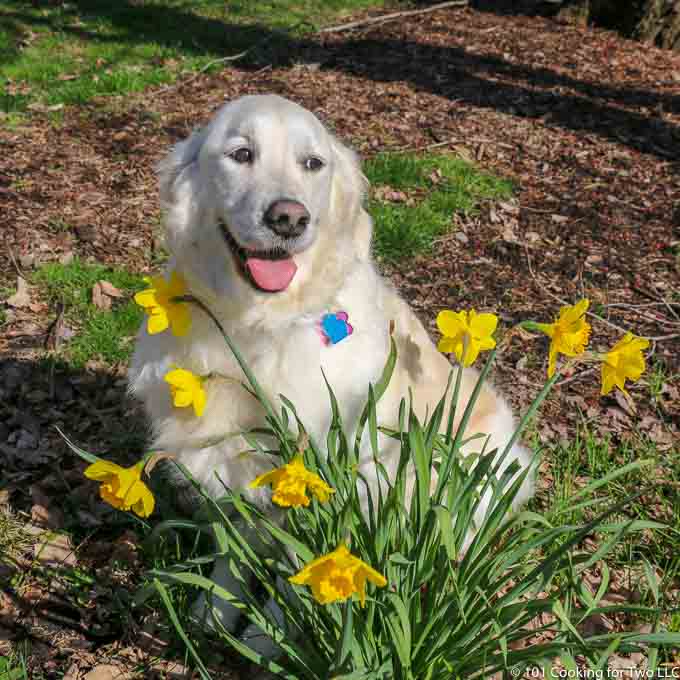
[102, 294]
[72, 672]
[41, 108]
[100, 300]
[110, 290]
[107, 672]
[55, 550]
[625, 403]
[509, 234]
[47, 516]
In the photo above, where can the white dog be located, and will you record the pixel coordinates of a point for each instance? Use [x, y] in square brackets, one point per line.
[264, 219]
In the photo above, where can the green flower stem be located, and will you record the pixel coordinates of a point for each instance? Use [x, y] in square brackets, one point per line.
[262, 397]
[216, 375]
[530, 326]
[344, 644]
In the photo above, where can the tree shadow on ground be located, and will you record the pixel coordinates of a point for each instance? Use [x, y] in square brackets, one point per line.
[533, 92]
[133, 23]
[557, 99]
[518, 7]
[71, 571]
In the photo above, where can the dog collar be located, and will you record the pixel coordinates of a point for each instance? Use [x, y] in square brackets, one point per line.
[334, 327]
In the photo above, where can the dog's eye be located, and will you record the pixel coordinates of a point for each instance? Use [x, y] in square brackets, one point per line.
[242, 155]
[313, 163]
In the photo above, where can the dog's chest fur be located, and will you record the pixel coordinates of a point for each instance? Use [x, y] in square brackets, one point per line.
[288, 356]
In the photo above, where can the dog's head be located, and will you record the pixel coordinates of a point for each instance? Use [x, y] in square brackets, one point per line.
[263, 200]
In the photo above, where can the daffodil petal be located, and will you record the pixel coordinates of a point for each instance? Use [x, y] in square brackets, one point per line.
[102, 470]
[111, 498]
[486, 343]
[572, 313]
[337, 576]
[471, 353]
[180, 319]
[145, 505]
[177, 285]
[446, 345]
[267, 478]
[450, 323]
[303, 575]
[200, 400]
[373, 576]
[483, 325]
[157, 323]
[552, 361]
[608, 379]
[146, 298]
[182, 399]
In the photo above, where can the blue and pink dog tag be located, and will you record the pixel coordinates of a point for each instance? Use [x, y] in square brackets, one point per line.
[335, 327]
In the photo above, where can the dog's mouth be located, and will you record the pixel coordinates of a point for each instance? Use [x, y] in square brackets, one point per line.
[270, 271]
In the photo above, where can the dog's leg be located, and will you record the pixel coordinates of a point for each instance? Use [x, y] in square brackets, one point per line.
[256, 638]
[497, 428]
[209, 607]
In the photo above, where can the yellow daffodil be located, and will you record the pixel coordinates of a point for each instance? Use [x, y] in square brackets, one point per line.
[186, 389]
[337, 576]
[163, 312]
[121, 487]
[290, 483]
[461, 328]
[568, 334]
[624, 360]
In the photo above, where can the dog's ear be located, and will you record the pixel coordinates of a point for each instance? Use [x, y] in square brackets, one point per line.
[350, 186]
[176, 167]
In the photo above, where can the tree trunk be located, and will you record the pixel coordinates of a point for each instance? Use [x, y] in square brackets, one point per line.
[575, 11]
[660, 24]
[621, 15]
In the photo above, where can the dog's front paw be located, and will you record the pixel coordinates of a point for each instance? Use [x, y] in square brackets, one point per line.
[206, 609]
[257, 640]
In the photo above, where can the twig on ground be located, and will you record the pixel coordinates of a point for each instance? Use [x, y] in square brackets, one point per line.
[645, 305]
[221, 60]
[557, 298]
[451, 140]
[181, 83]
[577, 376]
[657, 338]
[393, 16]
[628, 305]
[15, 263]
[645, 315]
[658, 298]
[260, 71]
[427, 147]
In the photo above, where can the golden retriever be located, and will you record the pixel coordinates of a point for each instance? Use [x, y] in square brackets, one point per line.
[264, 218]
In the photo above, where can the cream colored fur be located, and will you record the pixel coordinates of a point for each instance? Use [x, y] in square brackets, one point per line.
[201, 185]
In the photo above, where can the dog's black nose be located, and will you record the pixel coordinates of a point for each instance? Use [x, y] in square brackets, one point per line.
[287, 218]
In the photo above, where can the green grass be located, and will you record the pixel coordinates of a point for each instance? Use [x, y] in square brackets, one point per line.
[13, 668]
[437, 186]
[588, 458]
[101, 334]
[13, 538]
[69, 52]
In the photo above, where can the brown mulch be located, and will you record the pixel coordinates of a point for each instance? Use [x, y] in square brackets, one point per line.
[586, 124]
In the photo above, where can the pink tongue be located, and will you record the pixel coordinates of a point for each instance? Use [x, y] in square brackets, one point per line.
[272, 275]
